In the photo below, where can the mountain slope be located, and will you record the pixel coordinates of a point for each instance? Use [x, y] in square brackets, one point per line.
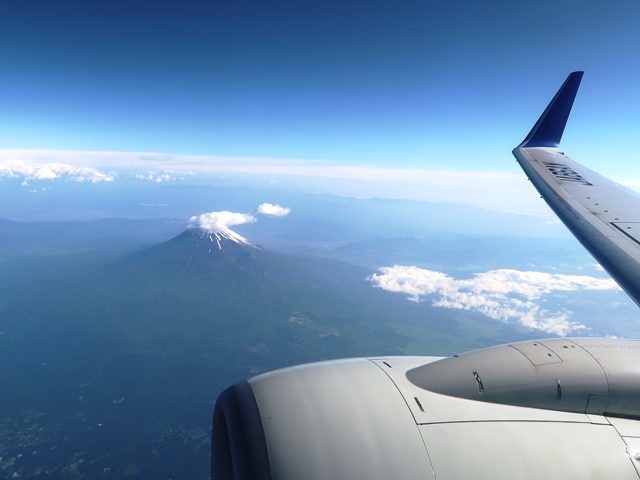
[199, 257]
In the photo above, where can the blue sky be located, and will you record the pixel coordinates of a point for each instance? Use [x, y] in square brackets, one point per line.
[406, 83]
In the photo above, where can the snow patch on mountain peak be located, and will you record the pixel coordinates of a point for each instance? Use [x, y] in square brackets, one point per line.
[219, 237]
[215, 226]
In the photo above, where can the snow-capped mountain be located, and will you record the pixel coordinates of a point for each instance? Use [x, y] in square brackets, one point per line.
[220, 262]
[220, 238]
[216, 227]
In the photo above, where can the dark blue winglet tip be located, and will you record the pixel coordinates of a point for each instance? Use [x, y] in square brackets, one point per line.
[548, 130]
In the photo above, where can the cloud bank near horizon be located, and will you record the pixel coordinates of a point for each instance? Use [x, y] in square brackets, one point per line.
[500, 191]
[504, 295]
[27, 171]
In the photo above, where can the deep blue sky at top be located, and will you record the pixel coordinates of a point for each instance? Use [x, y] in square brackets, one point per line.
[361, 82]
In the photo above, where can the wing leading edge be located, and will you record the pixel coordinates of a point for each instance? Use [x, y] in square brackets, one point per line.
[603, 215]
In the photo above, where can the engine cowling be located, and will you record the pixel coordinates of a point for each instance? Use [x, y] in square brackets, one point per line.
[525, 410]
[341, 419]
[581, 375]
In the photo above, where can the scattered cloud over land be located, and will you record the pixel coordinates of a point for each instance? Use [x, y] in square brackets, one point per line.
[274, 210]
[31, 171]
[220, 222]
[162, 176]
[216, 222]
[505, 295]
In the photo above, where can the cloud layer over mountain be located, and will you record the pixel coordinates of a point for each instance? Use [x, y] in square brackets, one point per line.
[504, 295]
[216, 222]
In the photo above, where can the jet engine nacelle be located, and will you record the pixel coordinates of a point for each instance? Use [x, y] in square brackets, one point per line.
[343, 419]
[525, 410]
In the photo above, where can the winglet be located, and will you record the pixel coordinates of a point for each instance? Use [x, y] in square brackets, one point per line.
[548, 130]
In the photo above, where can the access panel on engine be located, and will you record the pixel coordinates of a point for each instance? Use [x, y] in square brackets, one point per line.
[537, 353]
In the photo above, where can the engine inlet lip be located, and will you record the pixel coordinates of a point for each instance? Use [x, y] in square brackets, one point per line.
[238, 443]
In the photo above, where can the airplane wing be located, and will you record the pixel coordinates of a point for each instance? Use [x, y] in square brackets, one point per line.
[603, 215]
[554, 409]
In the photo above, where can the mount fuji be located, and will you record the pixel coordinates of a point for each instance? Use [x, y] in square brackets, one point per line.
[222, 261]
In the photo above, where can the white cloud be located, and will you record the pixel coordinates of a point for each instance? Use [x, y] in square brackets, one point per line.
[162, 176]
[505, 295]
[31, 171]
[271, 209]
[217, 222]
